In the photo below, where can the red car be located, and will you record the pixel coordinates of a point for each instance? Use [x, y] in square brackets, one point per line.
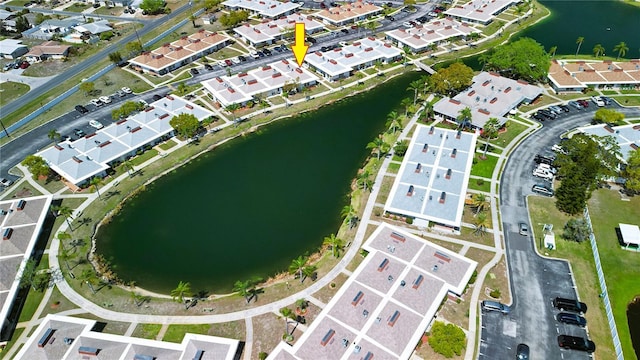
[228, 62]
[583, 102]
[24, 65]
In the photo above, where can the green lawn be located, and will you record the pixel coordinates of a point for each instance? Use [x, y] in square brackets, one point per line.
[620, 266]
[484, 167]
[77, 7]
[12, 341]
[144, 157]
[167, 145]
[175, 333]
[513, 130]
[34, 297]
[103, 10]
[609, 92]
[628, 100]
[484, 186]
[11, 90]
[393, 168]
[147, 331]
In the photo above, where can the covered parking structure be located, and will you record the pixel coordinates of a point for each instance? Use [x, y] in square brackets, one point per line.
[630, 235]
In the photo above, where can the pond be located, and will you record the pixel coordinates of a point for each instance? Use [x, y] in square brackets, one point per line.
[251, 206]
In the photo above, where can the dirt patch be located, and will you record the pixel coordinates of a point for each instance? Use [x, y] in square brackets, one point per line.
[497, 279]
[234, 330]
[267, 333]
[326, 293]
[426, 352]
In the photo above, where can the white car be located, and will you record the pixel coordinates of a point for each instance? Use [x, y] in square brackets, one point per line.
[543, 174]
[105, 99]
[407, 24]
[557, 148]
[596, 100]
[96, 102]
[343, 43]
[5, 182]
[126, 90]
[253, 54]
[95, 124]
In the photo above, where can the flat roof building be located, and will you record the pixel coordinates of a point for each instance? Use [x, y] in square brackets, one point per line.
[181, 52]
[12, 49]
[341, 62]
[265, 8]
[575, 76]
[388, 302]
[265, 81]
[269, 31]
[20, 224]
[421, 38]
[490, 96]
[627, 136]
[69, 338]
[77, 161]
[480, 11]
[348, 13]
[432, 181]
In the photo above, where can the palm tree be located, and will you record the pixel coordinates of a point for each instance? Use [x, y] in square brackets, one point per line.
[286, 315]
[406, 103]
[297, 265]
[464, 116]
[349, 216]
[65, 255]
[480, 223]
[552, 51]
[364, 181]
[66, 212]
[128, 165]
[393, 122]
[579, 41]
[621, 48]
[193, 20]
[232, 109]
[426, 84]
[308, 271]
[94, 182]
[180, 292]
[428, 110]
[598, 50]
[243, 288]
[377, 144]
[54, 135]
[335, 243]
[484, 59]
[479, 202]
[89, 277]
[415, 86]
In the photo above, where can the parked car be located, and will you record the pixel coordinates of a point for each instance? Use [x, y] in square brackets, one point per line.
[260, 53]
[542, 189]
[565, 108]
[228, 62]
[345, 31]
[576, 343]
[121, 93]
[523, 229]
[81, 109]
[522, 352]
[570, 305]
[156, 97]
[542, 159]
[310, 39]
[489, 305]
[268, 52]
[105, 99]
[570, 318]
[596, 100]
[24, 65]
[575, 104]
[543, 174]
[556, 109]
[607, 101]
[389, 17]
[96, 102]
[126, 90]
[7, 66]
[584, 103]
[78, 132]
[254, 55]
[242, 58]
[407, 24]
[96, 5]
[194, 71]
[5, 182]
[95, 124]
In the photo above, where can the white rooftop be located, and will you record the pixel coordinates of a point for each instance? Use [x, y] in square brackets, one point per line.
[242, 87]
[269, 30]
[480, 10]
[420, 37]
[627, 136]
[342, 60]
[20, 224]
[630, 234]
[490, 95]
[432, 181]
[386, 304]
[266, 8]
[48, 342]
[95, 27]
[81, 159]
[8, 46]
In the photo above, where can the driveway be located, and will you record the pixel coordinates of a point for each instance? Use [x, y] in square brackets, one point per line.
[534, 280]
[15, 75]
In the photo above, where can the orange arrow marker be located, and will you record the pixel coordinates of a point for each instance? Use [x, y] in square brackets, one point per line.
[299, 48]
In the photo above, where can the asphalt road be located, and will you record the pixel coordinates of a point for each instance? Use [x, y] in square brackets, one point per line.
[80, 67]
[535, 281]
[73, 13]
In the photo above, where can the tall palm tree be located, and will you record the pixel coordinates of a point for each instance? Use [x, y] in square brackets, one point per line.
[393, 122]
[89, 277]
[426, 84]
[481, 223]
[94, 182]
[484, 59]
[377, 144]
[415, 86]
[65, 212]
[480, 202]
[406, 103]
[335, 243]
[346, 211]
[54, 135]
[579, 41]
[287, 315]
[552, 51]
[232, 109]
[181, 291]
[243, 288]
[297, 265]
[65, 255]
[464, 116]
[598, 50]
[308, 271]
[128, 165]
[364, 181]
[621, 48]
[193, 20]
[428, 110]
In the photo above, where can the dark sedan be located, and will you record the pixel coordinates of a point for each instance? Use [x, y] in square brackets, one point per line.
[576, 343]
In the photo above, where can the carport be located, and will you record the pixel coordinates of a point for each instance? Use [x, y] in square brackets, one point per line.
[630, 234]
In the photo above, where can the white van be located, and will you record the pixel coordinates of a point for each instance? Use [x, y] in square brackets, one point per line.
[547, 167]
[543, 174]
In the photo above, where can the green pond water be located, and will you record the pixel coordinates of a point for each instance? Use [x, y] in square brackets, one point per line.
[252, 205]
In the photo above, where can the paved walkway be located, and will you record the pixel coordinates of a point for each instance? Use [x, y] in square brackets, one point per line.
[15, 75]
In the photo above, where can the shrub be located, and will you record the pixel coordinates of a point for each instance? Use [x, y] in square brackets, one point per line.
[472, 280]
[262, 355]
[495, 293]
[447, 340]
[409, 220]
[480, 181]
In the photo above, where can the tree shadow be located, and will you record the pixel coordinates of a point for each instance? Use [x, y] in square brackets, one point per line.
[111, 194]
